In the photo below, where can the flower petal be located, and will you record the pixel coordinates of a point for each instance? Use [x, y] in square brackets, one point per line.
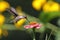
[31, 26]
[26, 26]
[38, 26]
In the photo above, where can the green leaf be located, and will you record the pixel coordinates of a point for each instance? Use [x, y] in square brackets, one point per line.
[46, 17]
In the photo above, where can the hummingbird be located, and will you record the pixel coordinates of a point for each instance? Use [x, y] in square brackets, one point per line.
[17, 17]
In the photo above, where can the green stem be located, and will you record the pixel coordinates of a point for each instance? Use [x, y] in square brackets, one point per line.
[46, 37]
[50, 35]
[34, 34]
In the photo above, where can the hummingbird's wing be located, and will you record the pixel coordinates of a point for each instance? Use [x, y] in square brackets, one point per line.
[17, 17]
[13, 11]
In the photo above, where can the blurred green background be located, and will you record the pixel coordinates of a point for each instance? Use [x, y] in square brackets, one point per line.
[51, 21]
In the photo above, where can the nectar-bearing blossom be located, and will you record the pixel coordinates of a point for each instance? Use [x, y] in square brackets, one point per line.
[33, 25]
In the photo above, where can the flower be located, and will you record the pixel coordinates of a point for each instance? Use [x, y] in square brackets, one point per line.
[3, 6]
[33, 25]
[2, 19]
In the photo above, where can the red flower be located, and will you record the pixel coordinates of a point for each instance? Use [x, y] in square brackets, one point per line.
[33, 25]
